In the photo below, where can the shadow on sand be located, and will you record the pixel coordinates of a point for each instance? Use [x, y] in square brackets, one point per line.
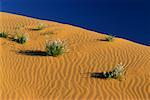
[102, 40]
[98, 75]
[33, 53]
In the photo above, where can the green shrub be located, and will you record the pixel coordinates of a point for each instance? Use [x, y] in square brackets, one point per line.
[3, 34]
[40, 26]
[21, 38]
[116, 73]
[109, 38]
[49, 32]
[55, 48]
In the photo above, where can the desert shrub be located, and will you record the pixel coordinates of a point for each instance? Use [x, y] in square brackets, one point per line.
[109, 38]
[55, 48]
[3, 34]
[117, 72]
[49, 32]
[40, 26]
[21, 38]
[46, 33]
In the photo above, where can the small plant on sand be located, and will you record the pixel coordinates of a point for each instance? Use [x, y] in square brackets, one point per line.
[21, 38]
[49, 32]
[117, 72]
[55, 48]
[3, 34]
[40, 26]
[109, 38]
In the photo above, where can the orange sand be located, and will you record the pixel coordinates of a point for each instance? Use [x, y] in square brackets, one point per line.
[29, 77]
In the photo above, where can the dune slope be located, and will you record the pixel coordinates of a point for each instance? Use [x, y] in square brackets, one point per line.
[37, 77]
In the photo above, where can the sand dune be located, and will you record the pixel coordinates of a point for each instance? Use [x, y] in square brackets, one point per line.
[37, 77]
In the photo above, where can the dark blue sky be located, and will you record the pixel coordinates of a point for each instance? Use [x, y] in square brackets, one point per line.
[128, 19]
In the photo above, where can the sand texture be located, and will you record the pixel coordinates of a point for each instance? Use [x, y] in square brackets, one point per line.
[34, 76]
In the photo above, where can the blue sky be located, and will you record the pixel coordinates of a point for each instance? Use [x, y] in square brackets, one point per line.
[128, 19]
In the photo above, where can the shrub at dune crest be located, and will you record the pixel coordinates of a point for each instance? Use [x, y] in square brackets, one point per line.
[3, 35]
[55, 48]
[40, 26]
[21, 38]
[109, 38]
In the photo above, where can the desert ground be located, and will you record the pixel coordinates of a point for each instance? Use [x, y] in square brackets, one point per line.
[34, 76]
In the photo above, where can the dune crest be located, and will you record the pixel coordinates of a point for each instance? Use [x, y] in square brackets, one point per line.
[34, 76]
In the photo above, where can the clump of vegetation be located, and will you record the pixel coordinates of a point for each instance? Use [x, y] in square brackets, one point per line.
[55, 48]
[117, 72]
[3, 34]
[49, 32]
[40, 26]
[109, 38]
[21, 38]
